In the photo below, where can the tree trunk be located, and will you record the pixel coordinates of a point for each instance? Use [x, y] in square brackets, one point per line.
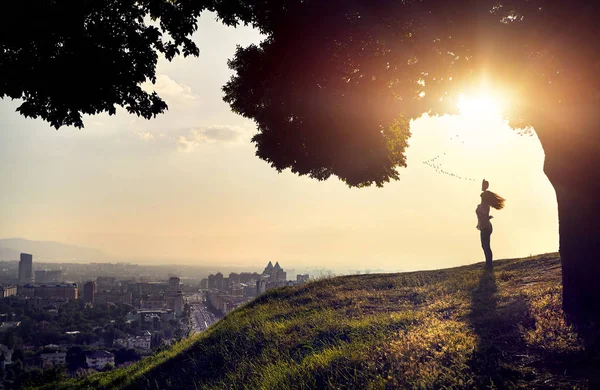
[572, 165]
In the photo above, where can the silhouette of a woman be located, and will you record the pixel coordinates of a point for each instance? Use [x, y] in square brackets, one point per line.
[488, 199]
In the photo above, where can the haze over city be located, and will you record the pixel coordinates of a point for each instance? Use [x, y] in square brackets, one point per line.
[187, 188]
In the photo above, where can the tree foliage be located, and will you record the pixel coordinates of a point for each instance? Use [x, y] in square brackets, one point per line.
[334, 85]
[66, 58]
[334, 79]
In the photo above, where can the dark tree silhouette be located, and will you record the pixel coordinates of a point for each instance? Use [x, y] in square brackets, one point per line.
[65, 58]
[335, 84]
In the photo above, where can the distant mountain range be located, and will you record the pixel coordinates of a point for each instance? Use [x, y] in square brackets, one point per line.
[11, 248]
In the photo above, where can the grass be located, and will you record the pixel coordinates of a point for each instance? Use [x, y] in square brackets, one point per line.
[455, 328]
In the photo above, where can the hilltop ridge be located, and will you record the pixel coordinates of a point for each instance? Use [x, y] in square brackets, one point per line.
[459, 328]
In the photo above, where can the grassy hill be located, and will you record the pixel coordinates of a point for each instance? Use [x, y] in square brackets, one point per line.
[454, 328]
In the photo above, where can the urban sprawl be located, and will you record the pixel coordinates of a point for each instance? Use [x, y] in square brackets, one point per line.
[77, 319]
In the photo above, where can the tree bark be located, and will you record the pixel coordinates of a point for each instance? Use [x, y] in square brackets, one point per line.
[572, 165]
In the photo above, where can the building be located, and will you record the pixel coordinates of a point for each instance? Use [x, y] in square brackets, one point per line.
[219, 281]
[26, 268]
[113, 297]
[234, 278]
[204, 284]
[45, 303]
[53, 359]
[224, 303]
[261, 286]
[48, 276]
[106, 282]
[247, 277]
[144, 288]
[140, 342]
[63, 290]
[268, 269]
[175, 302]
[278, 273]
[249, 290]
[7, 354]
[153, 303]
[89, 291]
[99, 359]
[237, 290]
[302, 278]
[7, 291]
[274, 273]
[174, 283]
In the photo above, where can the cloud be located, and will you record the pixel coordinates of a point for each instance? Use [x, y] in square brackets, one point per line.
[146, 136]
[188, 139]
[171, 91]
[222, 133]
[191, 138]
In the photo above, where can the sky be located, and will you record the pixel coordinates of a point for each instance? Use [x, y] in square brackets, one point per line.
[187, 188]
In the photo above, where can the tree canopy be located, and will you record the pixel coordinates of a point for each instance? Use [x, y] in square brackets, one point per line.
[65, 58]
[334, 85]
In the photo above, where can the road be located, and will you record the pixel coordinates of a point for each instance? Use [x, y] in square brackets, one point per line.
[202, 318]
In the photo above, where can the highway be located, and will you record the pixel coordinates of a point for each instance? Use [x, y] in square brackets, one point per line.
[201, 317]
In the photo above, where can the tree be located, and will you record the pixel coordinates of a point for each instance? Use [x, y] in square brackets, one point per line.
[333, 86]
[108, 337]
[65, 58]
[75, 358]
[108, 367]
[124, 355]
[335, 83]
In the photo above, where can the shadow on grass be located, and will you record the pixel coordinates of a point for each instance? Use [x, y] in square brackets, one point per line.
[499, 341]
[502, 358]
[587, 365]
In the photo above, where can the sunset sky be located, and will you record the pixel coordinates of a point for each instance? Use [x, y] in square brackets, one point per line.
[187, 188]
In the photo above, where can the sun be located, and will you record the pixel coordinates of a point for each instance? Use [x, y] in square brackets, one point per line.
[479, 106]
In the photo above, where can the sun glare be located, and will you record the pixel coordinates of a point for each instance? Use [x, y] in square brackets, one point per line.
[479, 106]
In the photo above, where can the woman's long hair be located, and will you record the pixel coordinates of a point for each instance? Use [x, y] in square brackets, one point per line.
[493, 200]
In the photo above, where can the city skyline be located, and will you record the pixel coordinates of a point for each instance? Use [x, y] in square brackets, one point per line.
[186, 187]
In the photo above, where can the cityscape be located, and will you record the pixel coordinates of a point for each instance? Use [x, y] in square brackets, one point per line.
[96, 317]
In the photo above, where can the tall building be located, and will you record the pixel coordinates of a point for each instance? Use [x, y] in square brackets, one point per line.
[219, 281]
[175, 302]
[280, 274]
[234, 278]
[268, 269]
[274, 273]
[26, 268]
[89, 291]
[174, 283]
[204, 284]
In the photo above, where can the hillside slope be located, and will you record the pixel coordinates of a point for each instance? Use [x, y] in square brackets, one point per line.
[459, 328]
